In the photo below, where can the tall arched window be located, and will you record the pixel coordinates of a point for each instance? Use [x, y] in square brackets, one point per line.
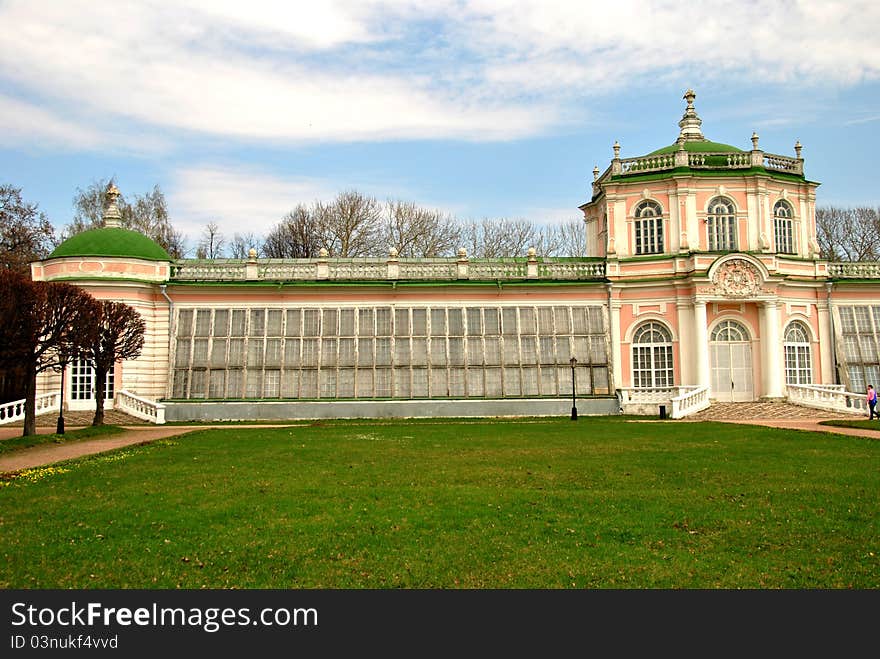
[649, 228]
[652, 356]
[798, 368]
[721, 225]
[783, 227]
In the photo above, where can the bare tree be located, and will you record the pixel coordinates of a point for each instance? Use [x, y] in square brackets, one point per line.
[351, 225]
[297, 236]
[43, 325]
[147, 213]
[116, 333]
[242, 243]
[213, 243]
[500, 238]
[417, 232]
[566, 239]
[25, 233]
[848, 234]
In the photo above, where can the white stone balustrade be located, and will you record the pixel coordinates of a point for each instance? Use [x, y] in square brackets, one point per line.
[855, 270]
[14, 411]
[690, 400]
[783, 164]
[141, 408]
[380, 269]
[827, 397]
[683, 400]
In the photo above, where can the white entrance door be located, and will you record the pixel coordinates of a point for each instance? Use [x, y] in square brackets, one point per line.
[730, 355]
[82, 387]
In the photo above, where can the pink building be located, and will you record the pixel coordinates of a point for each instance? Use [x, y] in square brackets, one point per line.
[702, 283]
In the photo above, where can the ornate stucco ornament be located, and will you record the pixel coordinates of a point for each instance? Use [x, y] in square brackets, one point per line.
[737, 278]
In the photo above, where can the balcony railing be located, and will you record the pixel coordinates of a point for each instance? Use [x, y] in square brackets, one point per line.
[854, 270]
[389, 269]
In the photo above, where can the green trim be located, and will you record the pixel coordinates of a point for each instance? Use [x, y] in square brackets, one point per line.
[110, 242]
[686, 171]
[389, 284]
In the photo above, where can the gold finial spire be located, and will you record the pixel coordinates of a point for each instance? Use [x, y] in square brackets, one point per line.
[112, 216]
[690, 123]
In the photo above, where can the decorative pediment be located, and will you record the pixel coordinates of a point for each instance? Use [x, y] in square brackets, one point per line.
[737, 278]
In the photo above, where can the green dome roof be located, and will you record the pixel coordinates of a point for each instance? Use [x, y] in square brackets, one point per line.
[111, 241]
[698, 146]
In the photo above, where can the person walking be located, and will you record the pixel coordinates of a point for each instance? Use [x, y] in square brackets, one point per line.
[872, 403]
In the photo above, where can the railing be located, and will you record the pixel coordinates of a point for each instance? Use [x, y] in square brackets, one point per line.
[827, 397]
[390, 269]
[706, 160]
[428, 269]
[142, 408]
[783, 164]
[855, 270]
[690, 402]
[684, 400]
[720, 160]
[14, 411]
[568, 270]
[647, 164]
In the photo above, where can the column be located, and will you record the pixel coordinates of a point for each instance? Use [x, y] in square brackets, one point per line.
[614, 330]
[701, 342]
[686, 359]
[771, 350]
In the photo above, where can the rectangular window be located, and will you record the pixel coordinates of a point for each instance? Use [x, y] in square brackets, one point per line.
[649, 235]
[784, 235]
[203, 322]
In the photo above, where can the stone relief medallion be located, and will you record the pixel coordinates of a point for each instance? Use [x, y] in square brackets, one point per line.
[737, 278]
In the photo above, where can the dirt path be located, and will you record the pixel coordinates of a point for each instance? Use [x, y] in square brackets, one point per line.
[807, 424]
[50, 453]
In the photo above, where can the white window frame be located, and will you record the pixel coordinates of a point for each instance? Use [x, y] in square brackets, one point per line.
[721, 225]
[652, 358]
[648, 228]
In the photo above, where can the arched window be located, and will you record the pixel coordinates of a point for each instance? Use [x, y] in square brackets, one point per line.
[652, 356]
[649, 228]
[721, 225]
[729, 331]
[797, 354]
[783, 227]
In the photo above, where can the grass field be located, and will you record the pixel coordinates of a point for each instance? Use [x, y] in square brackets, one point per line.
[600, 503]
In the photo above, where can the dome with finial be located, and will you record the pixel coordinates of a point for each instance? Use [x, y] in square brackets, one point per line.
[111, 240]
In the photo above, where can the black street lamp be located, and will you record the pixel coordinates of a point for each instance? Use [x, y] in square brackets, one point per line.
[574, 409]
[59, 427]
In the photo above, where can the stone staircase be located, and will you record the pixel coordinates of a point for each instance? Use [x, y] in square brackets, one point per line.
[763, 410]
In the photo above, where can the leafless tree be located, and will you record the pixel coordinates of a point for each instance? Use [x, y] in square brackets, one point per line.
[116, 333]
[500, 238]
[25, 233]
[566, 239]
[350, 225]
[44, 324]
[213, 243]
[295, 237]
[848, 234]
[417, 232]
[147, 213]
[242, 243]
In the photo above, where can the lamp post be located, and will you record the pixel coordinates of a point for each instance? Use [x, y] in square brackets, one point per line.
[574, 409]
[59, 427]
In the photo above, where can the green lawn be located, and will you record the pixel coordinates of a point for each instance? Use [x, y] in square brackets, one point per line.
[597, 503]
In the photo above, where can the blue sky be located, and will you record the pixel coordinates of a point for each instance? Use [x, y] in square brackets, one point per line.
[240, 111]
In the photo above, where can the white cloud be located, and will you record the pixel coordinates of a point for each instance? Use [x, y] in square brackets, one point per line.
[402, 69]
[29, 125]
[238, 200]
